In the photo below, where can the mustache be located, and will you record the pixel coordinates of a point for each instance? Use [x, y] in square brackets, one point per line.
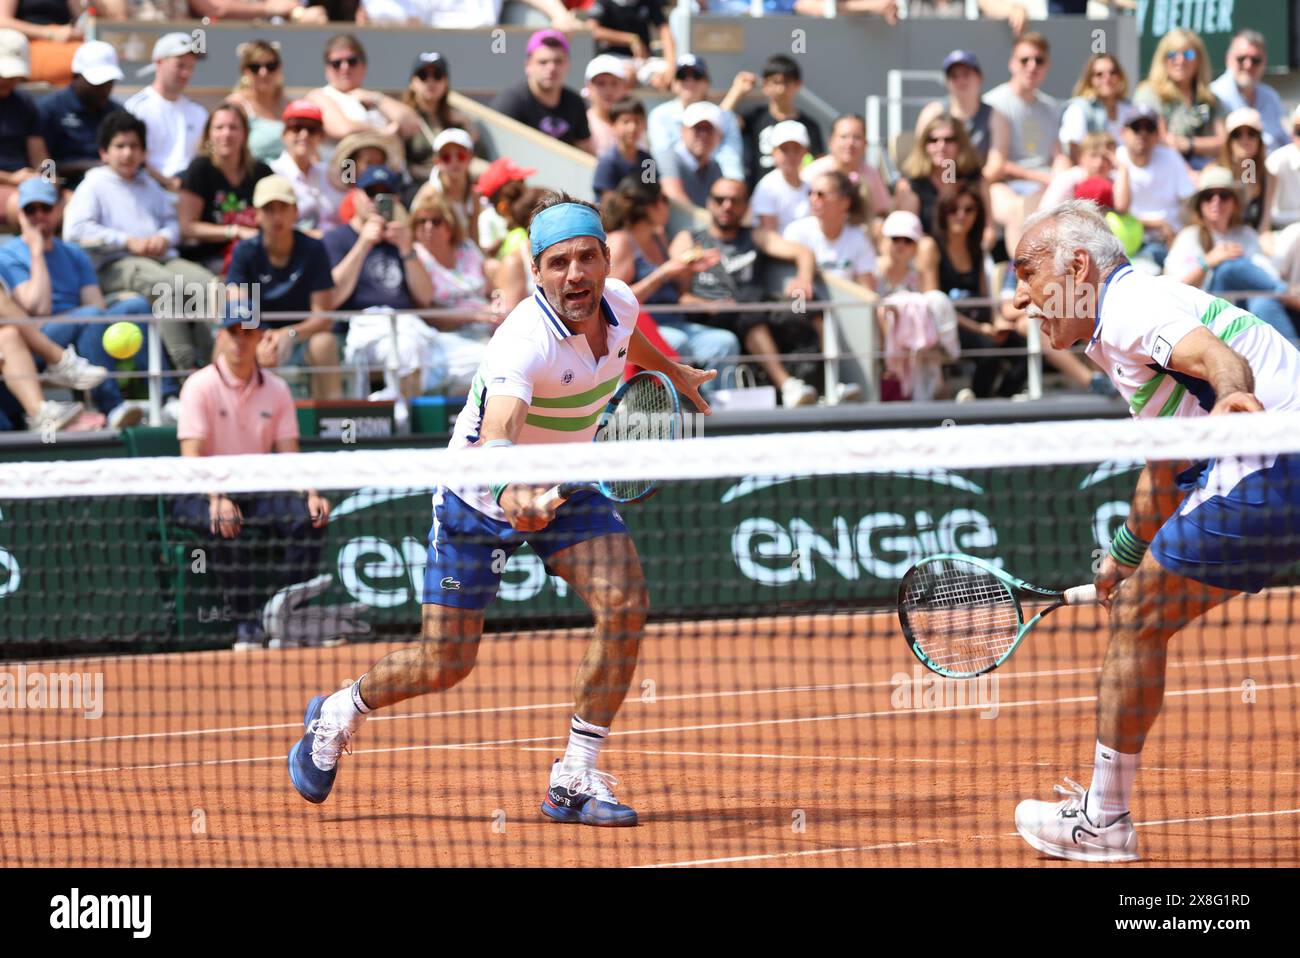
[1034, 313]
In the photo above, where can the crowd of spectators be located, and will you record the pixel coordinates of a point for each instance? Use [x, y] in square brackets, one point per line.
[355, 199]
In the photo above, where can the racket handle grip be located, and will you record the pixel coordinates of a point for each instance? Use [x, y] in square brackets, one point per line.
[556, 495]
[1081, 595]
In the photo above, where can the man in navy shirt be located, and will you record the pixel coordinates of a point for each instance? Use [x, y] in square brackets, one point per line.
[282, 270]
[70, 118]
[22, 151]
[48, 277]
[542, 101]
[627, 117]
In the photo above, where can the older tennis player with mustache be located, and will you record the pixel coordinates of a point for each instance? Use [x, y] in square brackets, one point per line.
[549, 370]
[1197, 534]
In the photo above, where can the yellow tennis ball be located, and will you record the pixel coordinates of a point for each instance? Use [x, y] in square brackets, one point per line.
[1127, 229]
[123, 340]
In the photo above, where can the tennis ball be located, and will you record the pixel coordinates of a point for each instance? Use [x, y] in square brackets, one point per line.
[123, 340]
[1127, 229]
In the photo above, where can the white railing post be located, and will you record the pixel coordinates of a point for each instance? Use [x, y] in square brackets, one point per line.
[831, 356]
[877, 147]
[1035, 359]
[155, 369]
[873, 347]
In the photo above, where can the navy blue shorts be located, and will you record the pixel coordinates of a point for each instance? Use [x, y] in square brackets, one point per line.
[1239, 525]
[468, 550]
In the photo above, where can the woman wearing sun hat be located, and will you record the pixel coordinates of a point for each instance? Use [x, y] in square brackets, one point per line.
[1220, 253]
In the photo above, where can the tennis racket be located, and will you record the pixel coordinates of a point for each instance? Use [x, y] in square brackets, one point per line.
[645, 407]
[962, 616]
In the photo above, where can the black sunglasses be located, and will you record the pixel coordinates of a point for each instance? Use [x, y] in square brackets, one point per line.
[432, 74]
[341, 62]
[1222, 195]
[723, 200]
[271, 66]
[1249, 61]
[31, 208]
[1142, 126]
[312, 128]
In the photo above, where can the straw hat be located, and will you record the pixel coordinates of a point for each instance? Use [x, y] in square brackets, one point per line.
[1214, 178]
[394, 155]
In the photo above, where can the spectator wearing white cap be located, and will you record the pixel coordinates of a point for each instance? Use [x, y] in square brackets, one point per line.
[427, 94]
[1243, 153]
[624, 29]
[606, 85]
[51, 28]
[453, 150]
[22, 150]
[691, 84]
[173, 121]
[781, 196]
[69, 118]
[300, 164]
[1241, 85]
[690, 170]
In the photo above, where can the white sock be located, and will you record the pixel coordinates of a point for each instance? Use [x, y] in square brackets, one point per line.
[585, 741]
[1113, 773]
[346, 707]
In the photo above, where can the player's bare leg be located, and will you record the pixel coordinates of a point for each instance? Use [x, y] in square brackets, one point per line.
[446, 654]
[1094, 824]
[606, 573]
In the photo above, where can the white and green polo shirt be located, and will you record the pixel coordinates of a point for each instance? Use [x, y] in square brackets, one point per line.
[533, 356]
[1140, 319]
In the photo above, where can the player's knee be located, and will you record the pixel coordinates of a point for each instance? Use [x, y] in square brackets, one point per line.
[1141, 615]
[625, 605]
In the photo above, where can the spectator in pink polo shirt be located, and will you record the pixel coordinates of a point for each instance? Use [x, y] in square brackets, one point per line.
[258, 543]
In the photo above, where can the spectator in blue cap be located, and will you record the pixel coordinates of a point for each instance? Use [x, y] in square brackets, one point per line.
[964, 80]
[48, 277]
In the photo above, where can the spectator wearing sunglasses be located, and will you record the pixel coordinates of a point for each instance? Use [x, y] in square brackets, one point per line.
[1099, 105]
[1021, 157]
[300, 164]
[1241, 85]
[427, 96]
[1178, 86]
[259, 92]
[70, 117]
[345, 103]
[453, 150]
[964, 77]
[1158, 184]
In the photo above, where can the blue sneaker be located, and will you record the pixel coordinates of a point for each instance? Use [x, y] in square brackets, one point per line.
[321, 745]
[584, 798]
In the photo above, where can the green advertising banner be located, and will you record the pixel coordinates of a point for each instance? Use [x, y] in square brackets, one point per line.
[1215, 21]
[116, 571]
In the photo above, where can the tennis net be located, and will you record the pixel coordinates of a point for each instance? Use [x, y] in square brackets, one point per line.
[776, 714]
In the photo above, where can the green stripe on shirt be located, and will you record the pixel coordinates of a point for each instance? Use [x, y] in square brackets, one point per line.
[595, 393]
[1148, 389]
[564, 423]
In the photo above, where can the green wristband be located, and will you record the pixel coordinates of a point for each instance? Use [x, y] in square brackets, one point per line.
[1126, 548]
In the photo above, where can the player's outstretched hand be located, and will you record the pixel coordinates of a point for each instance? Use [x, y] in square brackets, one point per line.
[523, 512]
[1109, 577]
[224, 517]
[688, 381]
[1237, 402]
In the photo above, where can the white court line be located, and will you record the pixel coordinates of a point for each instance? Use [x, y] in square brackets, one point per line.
[680, 728]
[944, 841]
[684, 697]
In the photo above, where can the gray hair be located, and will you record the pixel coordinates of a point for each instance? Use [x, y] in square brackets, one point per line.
[1077, 225]
[1253, 37]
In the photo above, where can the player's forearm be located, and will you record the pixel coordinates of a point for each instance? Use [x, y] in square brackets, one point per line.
[641, 352]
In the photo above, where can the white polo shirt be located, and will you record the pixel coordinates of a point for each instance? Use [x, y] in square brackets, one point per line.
[1140, 319]
[533, 356]
[173, 128]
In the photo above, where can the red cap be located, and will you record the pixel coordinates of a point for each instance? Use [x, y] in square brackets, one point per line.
[500, 172]
[1098, 189]
[302, 110]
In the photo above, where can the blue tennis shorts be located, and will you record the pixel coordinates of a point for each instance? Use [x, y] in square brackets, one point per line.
[468, 550]
[1239, 525]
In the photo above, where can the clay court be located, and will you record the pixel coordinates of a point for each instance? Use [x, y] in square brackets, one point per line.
[769, 742]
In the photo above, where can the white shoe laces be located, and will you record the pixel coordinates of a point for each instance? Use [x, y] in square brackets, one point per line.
[589, 781]
[1075, 795]
[328, 743]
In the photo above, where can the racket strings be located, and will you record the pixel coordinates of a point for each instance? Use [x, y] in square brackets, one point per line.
[646, 411]
[963, 619]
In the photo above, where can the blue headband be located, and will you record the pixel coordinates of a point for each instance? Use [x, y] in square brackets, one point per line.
[555, 224]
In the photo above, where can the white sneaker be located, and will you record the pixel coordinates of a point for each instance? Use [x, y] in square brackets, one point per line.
[54, 415]
[796, 392]
[74, 372]
[329, 743]
[848, 392]
[1064, 830]
[171, 411]
[129, 412]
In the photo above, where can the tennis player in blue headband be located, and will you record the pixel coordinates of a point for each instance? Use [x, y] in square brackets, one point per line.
[549, 370]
